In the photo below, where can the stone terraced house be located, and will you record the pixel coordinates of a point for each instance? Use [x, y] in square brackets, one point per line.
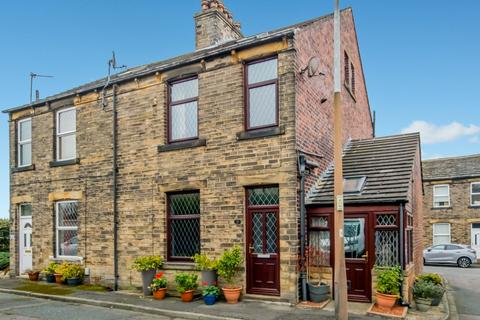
[452, 201]
[192, 154]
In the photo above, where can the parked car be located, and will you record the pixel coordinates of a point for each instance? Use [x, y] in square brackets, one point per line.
[458, 254]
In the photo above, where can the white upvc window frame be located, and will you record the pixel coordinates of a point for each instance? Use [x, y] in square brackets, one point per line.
[59, 134]
[473, 193]
[449, 200]
[21, 143]
[441, 234]
[63, 228]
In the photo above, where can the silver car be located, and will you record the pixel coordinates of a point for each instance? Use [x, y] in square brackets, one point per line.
[458, 254]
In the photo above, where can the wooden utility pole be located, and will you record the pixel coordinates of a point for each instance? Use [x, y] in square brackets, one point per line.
[340, 277]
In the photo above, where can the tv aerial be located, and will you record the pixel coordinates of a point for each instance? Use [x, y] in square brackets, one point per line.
[32, 77]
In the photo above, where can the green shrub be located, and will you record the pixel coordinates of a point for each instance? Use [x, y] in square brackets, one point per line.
[146, 263]
[71, 271]
[4, 260]
[229, 264]
[431, 277]
[389, 280]
[50, 269]
[210, 291]
[203, 262]
[186, 281]
[423, 289]
[4, 235]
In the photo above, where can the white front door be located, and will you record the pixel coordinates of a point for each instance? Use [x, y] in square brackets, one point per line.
[25, 237]
[476, 236]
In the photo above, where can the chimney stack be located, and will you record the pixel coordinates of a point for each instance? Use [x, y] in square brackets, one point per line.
[214, 25]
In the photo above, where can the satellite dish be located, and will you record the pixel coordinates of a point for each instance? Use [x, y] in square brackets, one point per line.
[313, 65]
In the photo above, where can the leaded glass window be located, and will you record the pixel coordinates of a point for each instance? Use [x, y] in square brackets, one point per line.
[183, 110]
[263, 196]
[262, 87]
[67, 228]
[319, 241]
[183, 225]
[386, 248]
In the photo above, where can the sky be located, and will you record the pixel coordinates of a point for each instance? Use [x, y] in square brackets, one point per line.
[420, 58]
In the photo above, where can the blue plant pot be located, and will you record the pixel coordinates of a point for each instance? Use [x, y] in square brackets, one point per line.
[209, 300]
[50, 278]
[74, 282]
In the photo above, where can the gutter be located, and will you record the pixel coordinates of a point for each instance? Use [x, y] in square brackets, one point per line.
[114, 185]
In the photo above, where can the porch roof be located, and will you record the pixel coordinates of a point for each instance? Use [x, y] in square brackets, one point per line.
[386, 162]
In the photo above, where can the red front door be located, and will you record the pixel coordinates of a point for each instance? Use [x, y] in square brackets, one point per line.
[357, 244]
[263, 249]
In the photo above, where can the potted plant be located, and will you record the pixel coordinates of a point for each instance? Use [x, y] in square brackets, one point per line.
[228, 266]
[59, 269]
[186, 285]
[73, 274]
[210, 295]
[32, 275]
[423, 293]
[148, 266]
[50, 272]
[437, 291]
[159, 286]
[318, 291]
[437, 294]
[208, 268]
[389, 280]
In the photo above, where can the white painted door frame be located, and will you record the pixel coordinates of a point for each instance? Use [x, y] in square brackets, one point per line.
[25, 239]
[475, 237]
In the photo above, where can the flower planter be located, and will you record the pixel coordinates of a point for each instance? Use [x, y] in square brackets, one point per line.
[187, 296]
[436, 301]
[50, 278]
[160, 293]
[74, 281]
[209, 278]
[386, 300]
[209, 300]
[58, 278]
[232, 294]
[318, 293]
[147, 277]
[33, 276]
[422, 304]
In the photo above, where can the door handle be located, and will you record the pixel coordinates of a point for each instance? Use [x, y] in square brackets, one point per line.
[365, 256]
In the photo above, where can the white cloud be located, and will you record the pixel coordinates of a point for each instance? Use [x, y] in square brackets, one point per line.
[431, 133]
[474, 139]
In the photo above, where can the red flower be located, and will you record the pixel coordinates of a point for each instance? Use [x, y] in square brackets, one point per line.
[159, 275]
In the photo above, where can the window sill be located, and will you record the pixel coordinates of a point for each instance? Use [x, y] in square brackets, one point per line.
[62, 163]
[22, 169]
[474, 206]
[441, 208]
[183, 145]
[260, 133]
[60, 259]
[179, 266]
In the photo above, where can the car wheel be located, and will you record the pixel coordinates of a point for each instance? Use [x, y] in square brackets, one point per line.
[464, 262]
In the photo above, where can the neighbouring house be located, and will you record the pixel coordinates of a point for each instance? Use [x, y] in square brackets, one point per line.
[452, 200]
[199, 153]
[383, 218]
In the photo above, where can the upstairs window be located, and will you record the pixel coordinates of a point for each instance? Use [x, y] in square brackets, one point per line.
[66, 134]
[475, 194]
[441, 196]
[24, 146]
[183, 110]
[349, 73]
[262, 94]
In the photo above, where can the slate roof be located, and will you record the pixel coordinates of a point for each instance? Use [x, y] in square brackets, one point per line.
[387, 163]
[178, 61]
[451, 168]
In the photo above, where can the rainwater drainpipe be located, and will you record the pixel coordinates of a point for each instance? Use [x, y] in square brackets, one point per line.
[402, 250]
[301, 169]
[114, 183]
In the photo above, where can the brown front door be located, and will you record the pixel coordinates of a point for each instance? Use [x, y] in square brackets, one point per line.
[263, 249]
[357, 251]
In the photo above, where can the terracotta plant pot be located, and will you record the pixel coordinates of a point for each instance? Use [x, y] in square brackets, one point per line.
[187, 296]
[33, 276]
[58, 278]
[386, 300]
[160, 294]
[232, 294]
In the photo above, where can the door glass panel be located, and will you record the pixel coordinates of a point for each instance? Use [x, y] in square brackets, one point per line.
[271, 229]
[25, 210]
[319, 222]
[354, 237]
[25, 240]
[257, 228]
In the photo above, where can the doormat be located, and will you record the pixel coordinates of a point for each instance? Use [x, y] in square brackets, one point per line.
[397, 312]
[314, 305]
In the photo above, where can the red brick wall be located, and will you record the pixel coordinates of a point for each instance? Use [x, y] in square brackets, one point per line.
[314, 120]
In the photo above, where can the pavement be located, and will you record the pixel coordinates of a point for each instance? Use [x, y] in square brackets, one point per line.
[464, 287]
[128, 305]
